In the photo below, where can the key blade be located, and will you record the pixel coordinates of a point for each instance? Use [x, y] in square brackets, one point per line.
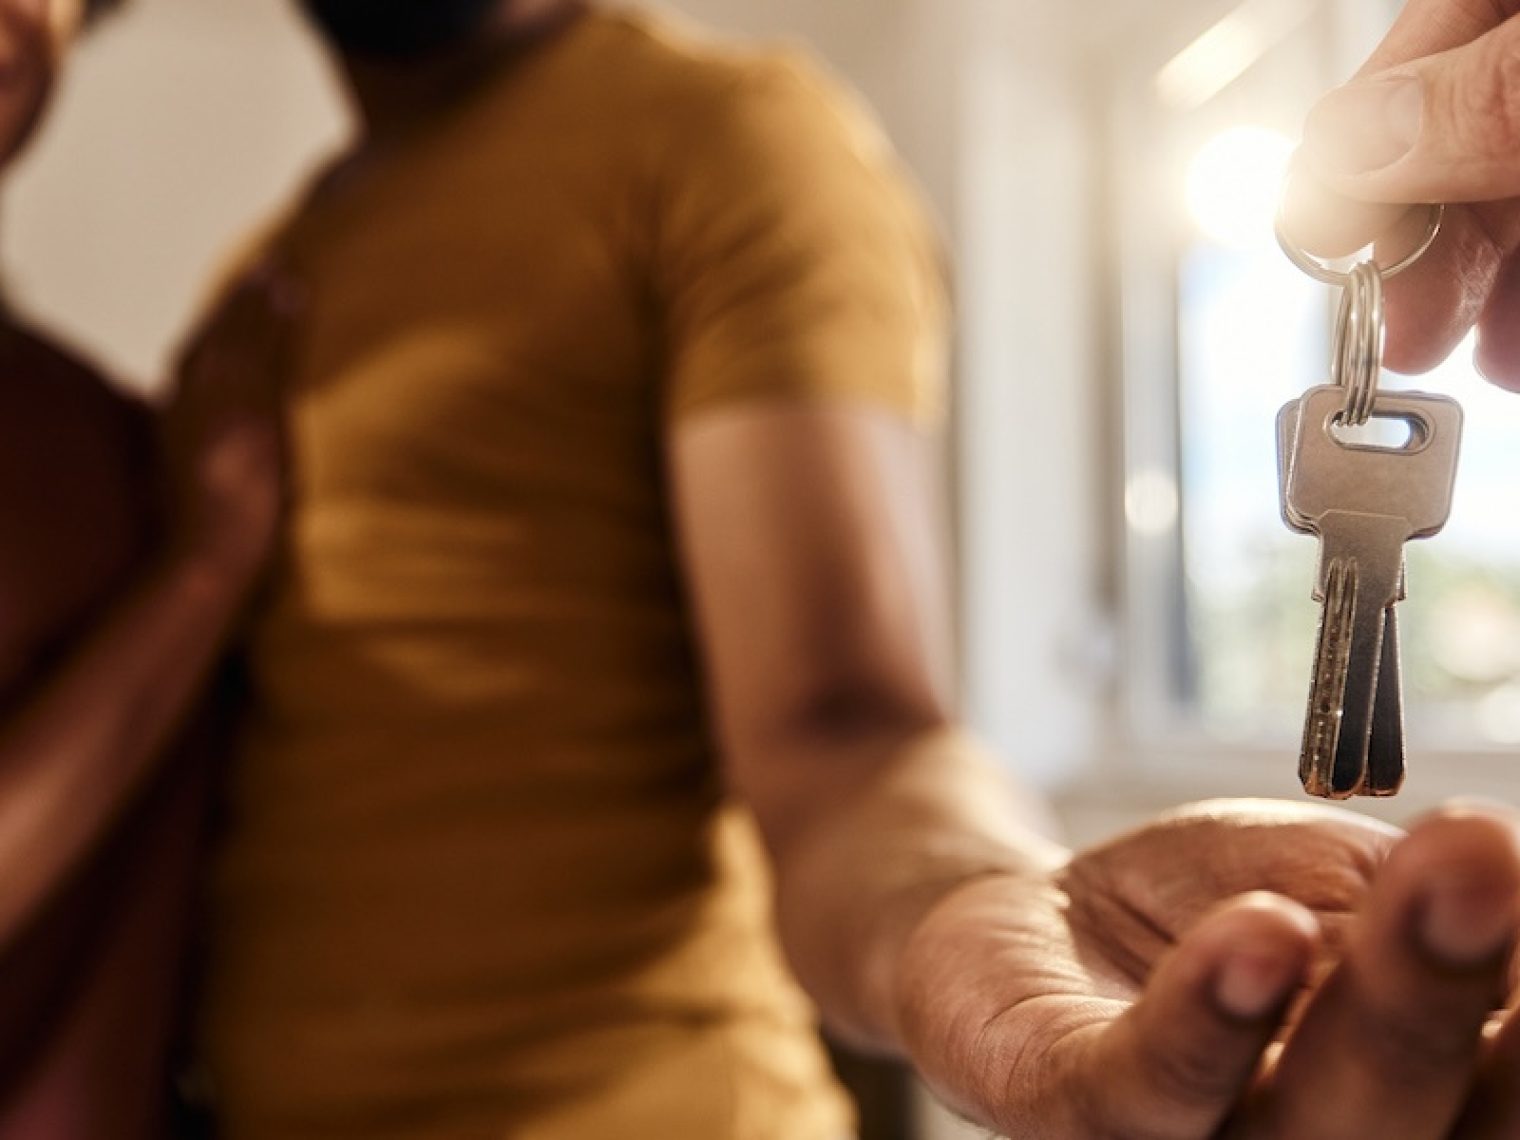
[1362, 559]
[1327, 687]
[1385, 751]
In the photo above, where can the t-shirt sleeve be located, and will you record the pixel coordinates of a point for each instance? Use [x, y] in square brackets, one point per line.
[795, 258]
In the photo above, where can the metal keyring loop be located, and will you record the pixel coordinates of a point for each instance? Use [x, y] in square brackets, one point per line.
[1360, 334]
[1322, 272]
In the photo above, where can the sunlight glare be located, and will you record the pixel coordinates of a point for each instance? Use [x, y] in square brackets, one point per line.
[1233, 184]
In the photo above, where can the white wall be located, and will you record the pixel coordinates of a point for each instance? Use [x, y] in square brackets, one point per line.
[901, 54]
[1029, 430]
[178, 124]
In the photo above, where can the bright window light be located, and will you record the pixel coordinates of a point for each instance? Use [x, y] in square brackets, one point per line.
[1233, 185]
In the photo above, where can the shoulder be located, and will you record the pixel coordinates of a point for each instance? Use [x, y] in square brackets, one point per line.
[693, 87]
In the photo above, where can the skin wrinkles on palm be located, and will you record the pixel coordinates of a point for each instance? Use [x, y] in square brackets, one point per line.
[1124, 920]
[1069, 959]
[1328, 870]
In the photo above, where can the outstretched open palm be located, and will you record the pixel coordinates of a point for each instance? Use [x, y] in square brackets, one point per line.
[1239, 969]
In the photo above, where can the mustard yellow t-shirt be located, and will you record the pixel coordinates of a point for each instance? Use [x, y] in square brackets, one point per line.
[480, 876]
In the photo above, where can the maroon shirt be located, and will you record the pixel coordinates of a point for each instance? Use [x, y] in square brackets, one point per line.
[87, 993]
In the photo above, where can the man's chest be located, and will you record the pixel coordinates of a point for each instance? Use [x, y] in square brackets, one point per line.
[465, 349]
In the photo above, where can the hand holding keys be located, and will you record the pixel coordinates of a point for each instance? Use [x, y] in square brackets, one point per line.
[1364, 500]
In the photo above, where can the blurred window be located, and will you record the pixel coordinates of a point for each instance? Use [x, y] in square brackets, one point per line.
[1218, 332]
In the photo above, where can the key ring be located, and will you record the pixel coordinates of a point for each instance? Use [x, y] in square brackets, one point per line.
[1356, 363]
[1322, 272]
[1360, 328]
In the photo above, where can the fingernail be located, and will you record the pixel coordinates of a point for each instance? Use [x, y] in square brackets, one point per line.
[1252, 985]
[1465, 923]
[1364, 127]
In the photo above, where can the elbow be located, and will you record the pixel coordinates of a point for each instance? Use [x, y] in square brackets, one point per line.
[852, 713]
[820, 757]
[840, 712]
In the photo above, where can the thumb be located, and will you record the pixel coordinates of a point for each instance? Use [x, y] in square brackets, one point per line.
[1179, 1059]
[1445, 128]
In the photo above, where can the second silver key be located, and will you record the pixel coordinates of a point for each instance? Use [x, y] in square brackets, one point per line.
[1385, 747]
[1365, 502]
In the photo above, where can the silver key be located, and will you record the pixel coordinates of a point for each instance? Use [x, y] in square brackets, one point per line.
[1364, 502]
[1287, 440]
[1385, 749]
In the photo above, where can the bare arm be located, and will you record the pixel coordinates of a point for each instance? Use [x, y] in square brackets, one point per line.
[80, 744]
[82, 739]
[828, 636]
[1127, 990]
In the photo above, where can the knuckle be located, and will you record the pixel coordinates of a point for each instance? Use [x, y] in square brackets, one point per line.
[1190, 1076]
[1486, 111]
[1438, 13]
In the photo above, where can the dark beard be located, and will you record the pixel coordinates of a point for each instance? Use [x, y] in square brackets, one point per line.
[398, 29]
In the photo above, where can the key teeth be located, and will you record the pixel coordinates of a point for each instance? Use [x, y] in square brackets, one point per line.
[1383, 772]
[1322, 725]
